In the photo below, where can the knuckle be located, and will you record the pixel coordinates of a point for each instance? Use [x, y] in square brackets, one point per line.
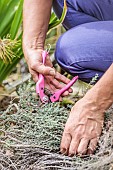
[43, 72]
[68, 128]
[79, 135]
[33, 66]
[34, 79]
[42, 69]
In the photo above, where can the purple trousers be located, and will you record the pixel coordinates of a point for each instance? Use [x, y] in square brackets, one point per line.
[86, 48]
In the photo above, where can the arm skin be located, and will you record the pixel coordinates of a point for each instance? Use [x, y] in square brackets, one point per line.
[103, 90]
[84, 125]
[36, 17]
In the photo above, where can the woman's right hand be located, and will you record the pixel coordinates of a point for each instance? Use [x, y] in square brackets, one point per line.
[53, 80]
[34, 61]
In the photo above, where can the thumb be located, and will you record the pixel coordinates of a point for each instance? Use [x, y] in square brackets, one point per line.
[45, 70]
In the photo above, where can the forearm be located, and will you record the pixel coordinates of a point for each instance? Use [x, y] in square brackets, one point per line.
[102, 92]
[36, 15]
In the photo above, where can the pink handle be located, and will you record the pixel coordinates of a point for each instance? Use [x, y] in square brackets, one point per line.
[55, 97]
[40, 83]
[44, 55]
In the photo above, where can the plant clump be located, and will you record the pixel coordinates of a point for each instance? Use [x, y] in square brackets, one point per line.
[8, 48]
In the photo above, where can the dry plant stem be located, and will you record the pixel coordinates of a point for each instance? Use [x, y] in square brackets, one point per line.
[7, 47]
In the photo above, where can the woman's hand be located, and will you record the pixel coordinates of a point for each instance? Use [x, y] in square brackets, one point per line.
[34, 61]
[53, 80]
[83, 128]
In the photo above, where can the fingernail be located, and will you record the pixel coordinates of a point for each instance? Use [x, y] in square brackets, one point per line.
[66, 93]
[63, 151]
[52, 72]
[71, 154]
[70, 90]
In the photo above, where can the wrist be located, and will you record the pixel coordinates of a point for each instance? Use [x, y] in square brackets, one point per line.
[100, 97]
[33, 42]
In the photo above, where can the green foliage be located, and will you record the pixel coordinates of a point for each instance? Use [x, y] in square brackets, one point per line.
[54, 21]
[10, 35]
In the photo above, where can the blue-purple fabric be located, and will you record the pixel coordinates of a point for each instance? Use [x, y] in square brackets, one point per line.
[86, 48]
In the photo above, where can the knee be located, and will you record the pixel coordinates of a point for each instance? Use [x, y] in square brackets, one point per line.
[68, 48]
[85, 43]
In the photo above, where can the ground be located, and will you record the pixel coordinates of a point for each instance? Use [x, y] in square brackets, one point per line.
[31, 133]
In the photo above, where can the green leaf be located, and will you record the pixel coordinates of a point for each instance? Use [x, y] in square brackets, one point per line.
[56, 23]
[3, 6]
[8, 15]
[17, 21]
[53, 18]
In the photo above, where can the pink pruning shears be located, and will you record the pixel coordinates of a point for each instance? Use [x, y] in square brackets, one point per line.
[40, 85]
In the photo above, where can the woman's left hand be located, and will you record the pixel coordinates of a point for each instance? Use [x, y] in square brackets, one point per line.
[83, 128]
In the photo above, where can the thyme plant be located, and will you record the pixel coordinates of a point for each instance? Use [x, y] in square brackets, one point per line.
[31, 133]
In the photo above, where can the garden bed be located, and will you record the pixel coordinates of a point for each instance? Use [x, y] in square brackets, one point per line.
[31, 133]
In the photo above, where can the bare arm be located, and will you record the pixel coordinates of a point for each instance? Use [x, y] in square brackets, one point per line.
[103, 90]
[36, 15]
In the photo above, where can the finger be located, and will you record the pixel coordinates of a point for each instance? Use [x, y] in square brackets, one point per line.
[34, 75]
[58, 86]
[70, 90]
[83, 146]
[50, 87]
[62, 78]
[74, 146]
[66, 93]
[65, 143]
[60, 100]
[56, 83]
[92, 146]
[45, 70]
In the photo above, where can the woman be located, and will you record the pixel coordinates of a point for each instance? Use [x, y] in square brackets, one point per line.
[85, 49]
